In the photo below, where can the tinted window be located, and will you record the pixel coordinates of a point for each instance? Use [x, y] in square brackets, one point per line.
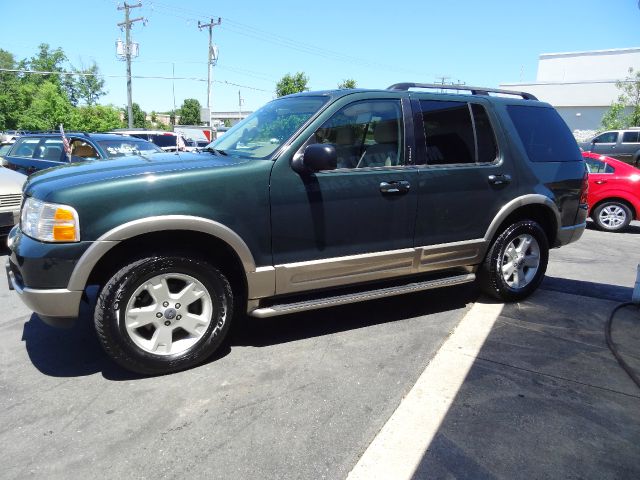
[448, 131]
[609, 169]
[365, 134]
[608, 137]
[544, 135]
[631, 137]
[164, 140]
[486, 140]
[454, 137]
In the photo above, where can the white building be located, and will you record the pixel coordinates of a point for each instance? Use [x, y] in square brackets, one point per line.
[581, 85]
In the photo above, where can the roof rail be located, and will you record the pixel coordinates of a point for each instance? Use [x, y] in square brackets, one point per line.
[473, 90]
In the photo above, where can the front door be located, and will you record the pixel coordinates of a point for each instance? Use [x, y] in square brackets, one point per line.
[364, 209]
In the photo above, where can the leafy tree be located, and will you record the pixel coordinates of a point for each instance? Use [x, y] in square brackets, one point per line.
[154, 116]
[47, 60]
[95, 118]
[89, 86]
[190, 112]
[347, 83]
[227, 122]
[139, 116]
[172, 117]
[629, 99]
[292, 84]
[50, 107]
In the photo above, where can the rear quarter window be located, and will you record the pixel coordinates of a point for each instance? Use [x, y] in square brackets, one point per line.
[544, 135]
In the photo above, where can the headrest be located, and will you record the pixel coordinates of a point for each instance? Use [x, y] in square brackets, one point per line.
[386, 132]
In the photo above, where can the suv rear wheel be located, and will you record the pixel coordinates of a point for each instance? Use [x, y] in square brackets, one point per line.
[162, 314]
[612, 216]
[516, 262]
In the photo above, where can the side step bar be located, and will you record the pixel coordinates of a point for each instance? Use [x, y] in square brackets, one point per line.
[301, 306]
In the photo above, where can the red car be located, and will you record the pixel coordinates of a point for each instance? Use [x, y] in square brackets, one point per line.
[614, 192]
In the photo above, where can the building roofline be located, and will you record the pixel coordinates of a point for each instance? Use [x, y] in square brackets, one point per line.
[611, 51]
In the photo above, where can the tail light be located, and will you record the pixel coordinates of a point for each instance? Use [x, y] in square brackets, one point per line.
[584, 190]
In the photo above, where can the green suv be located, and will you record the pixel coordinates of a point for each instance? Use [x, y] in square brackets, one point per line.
[317, 199]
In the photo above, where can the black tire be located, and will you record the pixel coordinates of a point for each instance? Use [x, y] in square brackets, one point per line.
[612, 216]
[490, 274]
[122, 342]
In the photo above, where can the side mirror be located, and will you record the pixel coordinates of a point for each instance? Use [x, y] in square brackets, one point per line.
[316, 157]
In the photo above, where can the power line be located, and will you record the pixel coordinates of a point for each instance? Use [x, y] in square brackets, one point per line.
[147, 77]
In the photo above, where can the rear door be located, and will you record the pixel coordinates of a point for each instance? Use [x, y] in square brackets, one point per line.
[464, 179]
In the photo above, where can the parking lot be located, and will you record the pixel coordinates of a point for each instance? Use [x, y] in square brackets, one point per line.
[304, 396]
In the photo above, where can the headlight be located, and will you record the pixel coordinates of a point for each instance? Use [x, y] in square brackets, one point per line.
[49, 222]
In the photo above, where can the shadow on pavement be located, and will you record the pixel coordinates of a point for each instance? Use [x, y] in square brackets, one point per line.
[77, 352]
[544, 397]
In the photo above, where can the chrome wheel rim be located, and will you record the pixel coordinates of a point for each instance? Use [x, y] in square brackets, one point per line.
[612, 216]
[520, 261]
[168, 314]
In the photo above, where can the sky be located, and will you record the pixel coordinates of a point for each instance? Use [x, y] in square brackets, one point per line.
[481, 43]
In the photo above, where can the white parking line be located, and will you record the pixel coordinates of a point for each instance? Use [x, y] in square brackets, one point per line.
[397, 450]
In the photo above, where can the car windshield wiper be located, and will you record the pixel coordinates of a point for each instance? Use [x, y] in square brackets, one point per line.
[215, 151]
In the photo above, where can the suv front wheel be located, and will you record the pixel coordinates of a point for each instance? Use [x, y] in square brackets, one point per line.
[162, 314]
[516, 262]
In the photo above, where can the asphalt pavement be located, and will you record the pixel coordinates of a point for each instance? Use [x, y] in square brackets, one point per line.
[304, 396]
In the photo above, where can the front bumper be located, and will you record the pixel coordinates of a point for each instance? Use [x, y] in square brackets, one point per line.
[57, 307]
[39, 273]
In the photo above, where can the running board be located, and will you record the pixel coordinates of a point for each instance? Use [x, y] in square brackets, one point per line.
[333, 301]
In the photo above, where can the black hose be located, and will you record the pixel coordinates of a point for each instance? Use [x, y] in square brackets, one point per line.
[612, 347]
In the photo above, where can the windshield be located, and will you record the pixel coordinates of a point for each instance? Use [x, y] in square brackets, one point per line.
[128, 146]
[262, 132]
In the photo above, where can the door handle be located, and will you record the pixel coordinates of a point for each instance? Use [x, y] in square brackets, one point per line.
[600, 182]
[395, 187]
[499, 179]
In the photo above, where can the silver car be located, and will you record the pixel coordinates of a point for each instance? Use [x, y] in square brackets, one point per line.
[10, 198]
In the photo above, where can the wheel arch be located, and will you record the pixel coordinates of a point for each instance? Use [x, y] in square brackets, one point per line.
[529, 207]
[634, 211]
[205, 238]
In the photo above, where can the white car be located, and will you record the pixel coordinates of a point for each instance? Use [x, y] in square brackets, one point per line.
[10, 198]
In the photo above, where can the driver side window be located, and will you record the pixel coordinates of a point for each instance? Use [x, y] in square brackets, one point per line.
[365, 134]
[608, 137]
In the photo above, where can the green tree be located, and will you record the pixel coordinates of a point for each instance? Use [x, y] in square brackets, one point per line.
[629, 99]
[347, 83]
[227, 122]
[50, 107]
[190, 112]
[47, 60]
[139, 116]
[95, 118]
[154, 116]
[292, 84]
[89, 86]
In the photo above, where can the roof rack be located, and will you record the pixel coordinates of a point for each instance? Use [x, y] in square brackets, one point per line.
[473, 90]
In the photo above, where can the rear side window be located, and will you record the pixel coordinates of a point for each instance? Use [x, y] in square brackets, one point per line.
[631, 137]
[25, 147]
[164, 140]
[545, 136]
[457, 133]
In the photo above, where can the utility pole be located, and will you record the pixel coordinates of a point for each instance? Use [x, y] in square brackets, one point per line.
[240, 100]
[129, 52]
[212, 59]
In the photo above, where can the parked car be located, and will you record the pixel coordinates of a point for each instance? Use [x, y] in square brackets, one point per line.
[315, 200]
[10, 136]
[167, 141]
[4, 149]
[33, 152]
[10, 199]
[622, 145]
[614, 192]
